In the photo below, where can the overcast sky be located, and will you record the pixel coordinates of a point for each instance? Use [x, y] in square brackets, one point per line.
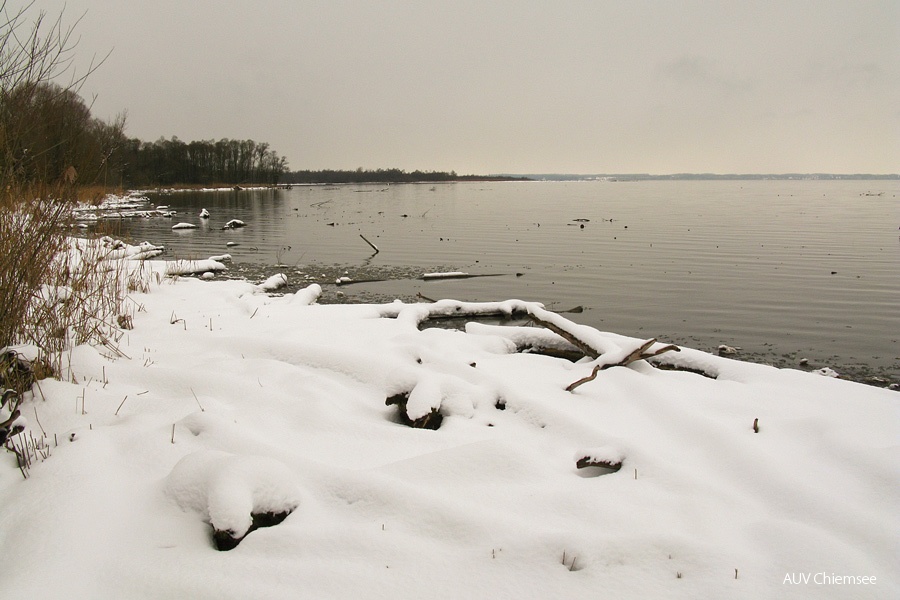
[512, 86]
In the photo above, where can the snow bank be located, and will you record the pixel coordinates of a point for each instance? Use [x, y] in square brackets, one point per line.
[252, 402]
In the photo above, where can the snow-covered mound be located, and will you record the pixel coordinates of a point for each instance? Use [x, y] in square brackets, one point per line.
[227, 490]
[250, 401]
[273, 283]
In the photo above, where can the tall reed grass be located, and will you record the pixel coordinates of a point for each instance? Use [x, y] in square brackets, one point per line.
[33, 230]
[57, 291]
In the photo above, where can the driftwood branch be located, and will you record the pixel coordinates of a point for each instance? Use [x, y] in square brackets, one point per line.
[584, 380]
[569, 337]
[342, 281]
[640, 352]
[457, 275]
[571, 355]
[374, 247]
[636, 354]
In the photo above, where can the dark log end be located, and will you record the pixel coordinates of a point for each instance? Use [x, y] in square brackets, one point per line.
[225, 539]
[587, 461]
[430, 421]
[398, 400]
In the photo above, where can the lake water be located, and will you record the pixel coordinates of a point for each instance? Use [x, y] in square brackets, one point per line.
[783, 270]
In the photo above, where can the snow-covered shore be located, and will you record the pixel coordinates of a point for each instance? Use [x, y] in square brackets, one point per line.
[278, 404]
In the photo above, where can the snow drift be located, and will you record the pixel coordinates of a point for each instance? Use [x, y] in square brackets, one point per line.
[253, 403]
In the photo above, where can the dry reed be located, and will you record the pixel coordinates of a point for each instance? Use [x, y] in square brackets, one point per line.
[56, 291]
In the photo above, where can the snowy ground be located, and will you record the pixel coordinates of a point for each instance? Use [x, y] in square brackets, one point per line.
[277, 403]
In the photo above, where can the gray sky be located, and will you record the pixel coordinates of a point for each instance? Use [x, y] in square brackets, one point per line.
[516, 86]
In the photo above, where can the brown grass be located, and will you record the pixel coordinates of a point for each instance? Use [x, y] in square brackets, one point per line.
[55, 292]
[32, 233]
[94, 194]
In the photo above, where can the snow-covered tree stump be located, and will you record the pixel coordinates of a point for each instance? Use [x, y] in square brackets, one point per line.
[235, 494]
[429, 419]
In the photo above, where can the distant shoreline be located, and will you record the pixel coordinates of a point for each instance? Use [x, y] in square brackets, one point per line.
[537, 177]
[339, 176]
[711, 177]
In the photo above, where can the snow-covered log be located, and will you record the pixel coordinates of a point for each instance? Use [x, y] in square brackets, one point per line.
[448, 275]
[594, 344]
[275, 282]
[607, 458]
[186, 267]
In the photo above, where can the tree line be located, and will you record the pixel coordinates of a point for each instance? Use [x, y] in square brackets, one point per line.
[49, 137]
[361, 175]
[367, 176]
[47, 134]
[172, 161]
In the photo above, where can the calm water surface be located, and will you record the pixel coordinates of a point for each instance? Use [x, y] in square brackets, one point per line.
[782, 269]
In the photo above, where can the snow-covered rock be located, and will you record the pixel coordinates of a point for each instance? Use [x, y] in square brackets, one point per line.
[275, 282]
[228, 489]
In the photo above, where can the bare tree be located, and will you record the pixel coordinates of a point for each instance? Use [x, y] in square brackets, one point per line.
[34, 57]
[39, 119]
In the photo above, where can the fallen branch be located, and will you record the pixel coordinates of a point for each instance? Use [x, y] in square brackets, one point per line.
[607, 355]
[566, 335]
[573, 355]
[374, 247]
[457, 275]
[584, 380]
[574, 309]
[638, 353]
[348, 281]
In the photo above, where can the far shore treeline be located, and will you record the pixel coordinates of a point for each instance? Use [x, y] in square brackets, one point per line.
[385, 176]
[48, 134]
[174, 162]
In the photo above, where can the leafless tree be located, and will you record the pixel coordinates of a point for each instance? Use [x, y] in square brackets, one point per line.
[34, 57]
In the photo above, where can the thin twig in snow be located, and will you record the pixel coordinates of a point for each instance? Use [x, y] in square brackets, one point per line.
[198, 400]
[116, 414]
